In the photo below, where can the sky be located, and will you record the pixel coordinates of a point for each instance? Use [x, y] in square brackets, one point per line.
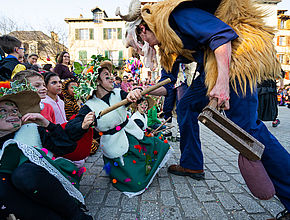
[44, 15]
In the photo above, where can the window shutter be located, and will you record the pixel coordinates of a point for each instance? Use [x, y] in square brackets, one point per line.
[91, 34]
[120, 58]
[77, 34]
[119, 33]
[105, 33]
[107, 53]
[278, 40]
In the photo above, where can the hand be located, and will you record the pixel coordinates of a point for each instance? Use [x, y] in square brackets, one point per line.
[134, 95]
[221, 91]
[35, 118]
[89, 120]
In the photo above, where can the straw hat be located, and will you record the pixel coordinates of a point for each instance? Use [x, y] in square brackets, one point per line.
[107, 64]
[27, 101]
[150, 100]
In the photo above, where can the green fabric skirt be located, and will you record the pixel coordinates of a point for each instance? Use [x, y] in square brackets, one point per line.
[134, 171]
[14, 154]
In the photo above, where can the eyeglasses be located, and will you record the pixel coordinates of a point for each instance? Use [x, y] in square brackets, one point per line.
[22, 48]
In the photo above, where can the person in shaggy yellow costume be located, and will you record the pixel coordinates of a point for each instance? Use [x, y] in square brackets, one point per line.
[234, 50]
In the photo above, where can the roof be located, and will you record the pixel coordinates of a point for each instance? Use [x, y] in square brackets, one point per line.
[99, 9]
[29, 35]
[67, 20]
[268, 1]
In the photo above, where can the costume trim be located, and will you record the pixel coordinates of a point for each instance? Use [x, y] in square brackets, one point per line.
[253, 52]
[35, 157]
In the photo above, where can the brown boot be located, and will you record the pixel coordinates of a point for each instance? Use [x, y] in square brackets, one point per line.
[180, 171]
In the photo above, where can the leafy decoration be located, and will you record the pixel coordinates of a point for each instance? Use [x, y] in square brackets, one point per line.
[16, 87]
[88, 78]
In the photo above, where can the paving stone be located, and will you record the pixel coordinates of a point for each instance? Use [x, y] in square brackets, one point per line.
[170, 213]
[228, 202]
[195, 183]
[95, 197]
[214, 186]
[113, 198]
[102, 182]
[149, 210]
[240, 215]
[167, 198]
[207, 160]
[88, 165]
[99, 162]
[272, 206]
[128, 216]
[95, 170]
[192, 208]
[230, 169]
[129, 204]
[221, 176]
[215, 211]
[150, 194]
[260, 216]
[107, 213]
[208, 175]
[213, 167]
[84, 190]
[249, 204]
[232, 186]
[93, 210]
[163, 172]
[88, 180]
[182, 190]
[203, 194]
[177, 179]
[220, 162]
[164, 184]
[154, 183]
[92, 159]
[238, 178]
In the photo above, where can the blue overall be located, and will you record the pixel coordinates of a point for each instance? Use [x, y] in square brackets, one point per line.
[198, 28]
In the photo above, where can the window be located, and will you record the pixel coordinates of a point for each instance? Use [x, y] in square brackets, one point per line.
[98, 17]
[83, 56]
[281, 41]
[280, 58]
[84, 34]
[112, 33]
[282, 24]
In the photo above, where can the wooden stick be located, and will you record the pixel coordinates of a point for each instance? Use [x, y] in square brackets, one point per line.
[164, 129]
[163, 123]
[125, 101]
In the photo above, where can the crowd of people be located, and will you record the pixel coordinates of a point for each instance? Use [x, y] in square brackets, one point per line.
[47, 133]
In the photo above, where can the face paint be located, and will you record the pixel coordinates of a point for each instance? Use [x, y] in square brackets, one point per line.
[16, 125]
[9, 104]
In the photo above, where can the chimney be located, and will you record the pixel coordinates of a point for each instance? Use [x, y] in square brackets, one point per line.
[81, 16]
[54, 36]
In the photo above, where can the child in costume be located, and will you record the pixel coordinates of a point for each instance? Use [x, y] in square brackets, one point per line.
[36, 80]
[140, 115]
[131, 159]
[35, 185]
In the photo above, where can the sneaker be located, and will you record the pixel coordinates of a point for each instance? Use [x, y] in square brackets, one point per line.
[276, 123]
[180, 171]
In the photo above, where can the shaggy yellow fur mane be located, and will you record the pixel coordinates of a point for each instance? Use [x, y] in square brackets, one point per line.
[253, 53]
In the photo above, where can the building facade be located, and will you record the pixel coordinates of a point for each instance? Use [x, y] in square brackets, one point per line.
[283, 41]
[98, 35]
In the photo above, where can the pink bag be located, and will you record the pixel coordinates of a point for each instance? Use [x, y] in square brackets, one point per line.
[256, 178]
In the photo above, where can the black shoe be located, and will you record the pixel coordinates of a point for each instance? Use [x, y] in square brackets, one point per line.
[168, 134]
[284, 215]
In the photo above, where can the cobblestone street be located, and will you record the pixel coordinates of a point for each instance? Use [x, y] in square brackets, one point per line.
[222, 195]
